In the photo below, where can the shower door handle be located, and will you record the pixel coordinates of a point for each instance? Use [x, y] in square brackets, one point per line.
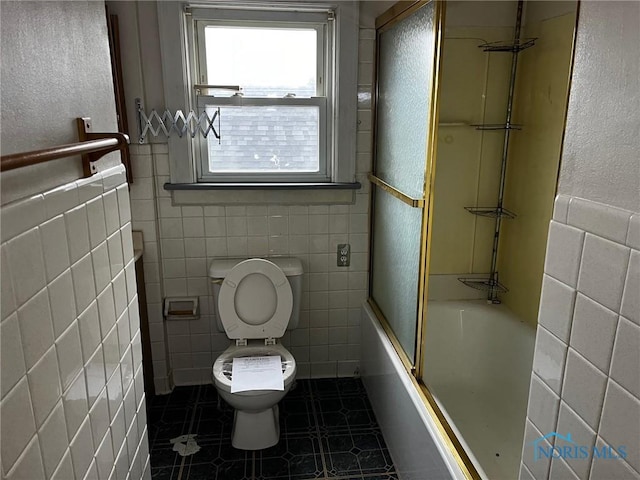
[412, 202]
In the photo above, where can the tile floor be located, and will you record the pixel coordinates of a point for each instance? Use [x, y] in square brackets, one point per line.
[328, 431]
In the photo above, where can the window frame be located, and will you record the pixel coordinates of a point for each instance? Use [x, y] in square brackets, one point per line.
[178, 91]
[322, 23]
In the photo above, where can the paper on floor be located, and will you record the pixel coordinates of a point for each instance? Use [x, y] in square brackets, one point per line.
[185, 445]
[256, 373]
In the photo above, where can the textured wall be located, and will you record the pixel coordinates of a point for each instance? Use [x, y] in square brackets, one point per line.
[55, 67]
[600, 158]
[72, 391]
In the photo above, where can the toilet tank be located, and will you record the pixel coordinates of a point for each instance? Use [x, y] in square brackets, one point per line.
[291, 267]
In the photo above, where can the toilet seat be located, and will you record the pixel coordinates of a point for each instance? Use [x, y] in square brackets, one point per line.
[223, 382]
[255, 300]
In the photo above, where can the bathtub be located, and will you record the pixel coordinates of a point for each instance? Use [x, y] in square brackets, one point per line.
[478, 361]
[417, 450]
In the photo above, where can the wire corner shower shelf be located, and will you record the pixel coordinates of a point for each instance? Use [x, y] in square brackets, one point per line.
[490, 283]
[513, 47]
[491, 212]
[486, 284]
[496, 126]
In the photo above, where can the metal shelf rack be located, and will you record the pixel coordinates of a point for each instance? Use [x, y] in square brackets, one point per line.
[513, 47]
[486, 284]
[491, 212]
[491, 284]
[496, 126]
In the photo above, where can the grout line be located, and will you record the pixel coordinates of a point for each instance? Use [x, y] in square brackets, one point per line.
[181, 469]
[253, 465]
[191, 423]
[315, 419]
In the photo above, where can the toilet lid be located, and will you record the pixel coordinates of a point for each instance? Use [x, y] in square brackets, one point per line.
[255, 300]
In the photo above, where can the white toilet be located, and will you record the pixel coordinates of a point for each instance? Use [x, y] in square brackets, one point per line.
[256, 300]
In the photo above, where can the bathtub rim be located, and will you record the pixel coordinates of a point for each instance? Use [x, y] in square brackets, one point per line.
[453, 453]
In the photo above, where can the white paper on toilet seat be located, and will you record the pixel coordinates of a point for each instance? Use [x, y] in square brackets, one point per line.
[256, 373]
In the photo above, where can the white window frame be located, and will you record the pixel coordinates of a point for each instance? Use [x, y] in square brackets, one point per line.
[177, 67]
[322, 23]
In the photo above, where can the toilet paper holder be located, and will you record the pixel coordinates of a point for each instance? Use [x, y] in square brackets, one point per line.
[181, 308]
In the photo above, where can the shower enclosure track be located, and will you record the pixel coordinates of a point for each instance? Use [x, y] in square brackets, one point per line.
[491, 284]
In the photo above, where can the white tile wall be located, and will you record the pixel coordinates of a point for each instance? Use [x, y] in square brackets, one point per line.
[180, 242]
[556, 307]
[570, 421]
[549, 359]
[62, 352]
[587, 358]
[531, 467]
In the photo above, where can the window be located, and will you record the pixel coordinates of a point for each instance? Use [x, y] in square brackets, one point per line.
[278, 79]
[268, 84]
[266, 78]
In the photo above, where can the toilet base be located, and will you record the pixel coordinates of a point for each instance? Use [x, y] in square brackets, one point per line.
[255, 430]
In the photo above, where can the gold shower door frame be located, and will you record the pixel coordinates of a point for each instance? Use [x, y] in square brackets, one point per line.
[414, 367]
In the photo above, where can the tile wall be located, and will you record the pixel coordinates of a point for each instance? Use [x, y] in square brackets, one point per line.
[146, 169]
[586, 368]
[72, 389]
[180, 242]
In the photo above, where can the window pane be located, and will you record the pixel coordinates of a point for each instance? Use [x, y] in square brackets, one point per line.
[265, 62]
[265, 139]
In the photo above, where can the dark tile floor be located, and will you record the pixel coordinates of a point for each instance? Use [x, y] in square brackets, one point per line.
[328, 431]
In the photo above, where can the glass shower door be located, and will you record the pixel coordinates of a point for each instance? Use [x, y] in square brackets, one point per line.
[407, 51]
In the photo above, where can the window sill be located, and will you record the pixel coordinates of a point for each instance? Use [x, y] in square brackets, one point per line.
[263, 186]
[262, 193]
